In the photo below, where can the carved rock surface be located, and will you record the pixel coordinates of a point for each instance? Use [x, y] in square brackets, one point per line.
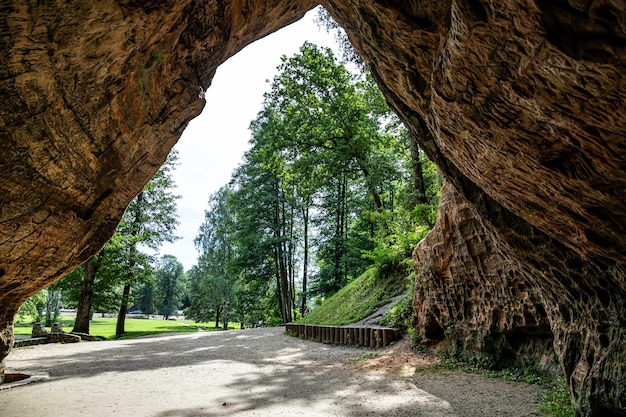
[521, 103]
[470, 295]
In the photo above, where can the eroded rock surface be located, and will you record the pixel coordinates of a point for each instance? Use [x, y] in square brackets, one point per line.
[472, 297]
[521, 104]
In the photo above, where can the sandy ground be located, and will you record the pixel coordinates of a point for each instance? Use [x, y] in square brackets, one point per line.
[259, 372]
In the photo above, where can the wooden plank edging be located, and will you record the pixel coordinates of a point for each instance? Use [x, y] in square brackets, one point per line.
[345, 335]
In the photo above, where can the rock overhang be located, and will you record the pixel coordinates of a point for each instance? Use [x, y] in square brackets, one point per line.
[520, 103]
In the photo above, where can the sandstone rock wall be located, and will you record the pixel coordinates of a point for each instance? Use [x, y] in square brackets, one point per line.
[471, 296]
[521, 103]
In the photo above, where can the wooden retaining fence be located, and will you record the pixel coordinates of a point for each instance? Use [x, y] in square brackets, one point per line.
[345, 335]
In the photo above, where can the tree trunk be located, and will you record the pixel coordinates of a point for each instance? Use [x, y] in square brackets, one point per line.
[417, 173]
[132, 253]
[284, 265]
[218, 310]
[225, 317]
[85, 298]
[305, 218]
[278, 290]
[344, 228]
[378, 204]
[292, 261]
[121, 317]
[280, 261]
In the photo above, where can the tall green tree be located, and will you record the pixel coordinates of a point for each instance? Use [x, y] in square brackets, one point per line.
[212, 283]
[265, 225]
[95, 285]
[150, 219]
[170, 284]
[326, 189]
[144, 298]
[320, 114]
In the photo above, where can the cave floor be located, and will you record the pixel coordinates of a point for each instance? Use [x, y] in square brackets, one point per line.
[257, 372]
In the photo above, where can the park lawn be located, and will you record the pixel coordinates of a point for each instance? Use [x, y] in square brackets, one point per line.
[105, 327]
[23, 326]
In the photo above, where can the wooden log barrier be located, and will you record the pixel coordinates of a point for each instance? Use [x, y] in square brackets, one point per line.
[368, 336]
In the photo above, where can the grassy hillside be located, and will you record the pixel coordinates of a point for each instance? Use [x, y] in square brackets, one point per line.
[360, 298]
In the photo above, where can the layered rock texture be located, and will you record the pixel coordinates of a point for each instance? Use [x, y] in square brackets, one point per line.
[473, 297]
[522, 104]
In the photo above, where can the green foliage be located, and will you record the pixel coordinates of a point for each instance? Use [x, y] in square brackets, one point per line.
[395, 241]
[144, 298]
[151, 217]
[53, 305]
[149, 220]
[106, 286]
[32, 308]
[557, 402]
[212, 283]
[327, 189]
[357, 300]
[170, 285]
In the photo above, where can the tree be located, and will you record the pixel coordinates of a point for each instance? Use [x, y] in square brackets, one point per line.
[85, 299]
[144, 298]
[149, 220]
[379, 104]
[264, 233]
[212, 283]
[319, 114]
[95, 284]
[327, 178]
[34, 306]
[170, 277]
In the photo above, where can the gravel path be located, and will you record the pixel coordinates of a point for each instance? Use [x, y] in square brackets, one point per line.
[258, 372]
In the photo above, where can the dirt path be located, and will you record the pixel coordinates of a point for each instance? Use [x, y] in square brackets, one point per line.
[259, 372]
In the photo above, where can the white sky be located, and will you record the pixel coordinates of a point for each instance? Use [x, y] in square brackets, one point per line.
[213, 144]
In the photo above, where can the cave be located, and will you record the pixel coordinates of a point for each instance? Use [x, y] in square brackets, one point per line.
[521, 104]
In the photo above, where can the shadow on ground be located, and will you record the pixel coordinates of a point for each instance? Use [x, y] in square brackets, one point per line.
[260, 372]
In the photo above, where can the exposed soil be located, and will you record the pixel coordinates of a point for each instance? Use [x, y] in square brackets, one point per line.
[258, 372]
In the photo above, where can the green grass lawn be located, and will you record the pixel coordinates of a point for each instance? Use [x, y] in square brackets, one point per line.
[105, 327]
[24, 326]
